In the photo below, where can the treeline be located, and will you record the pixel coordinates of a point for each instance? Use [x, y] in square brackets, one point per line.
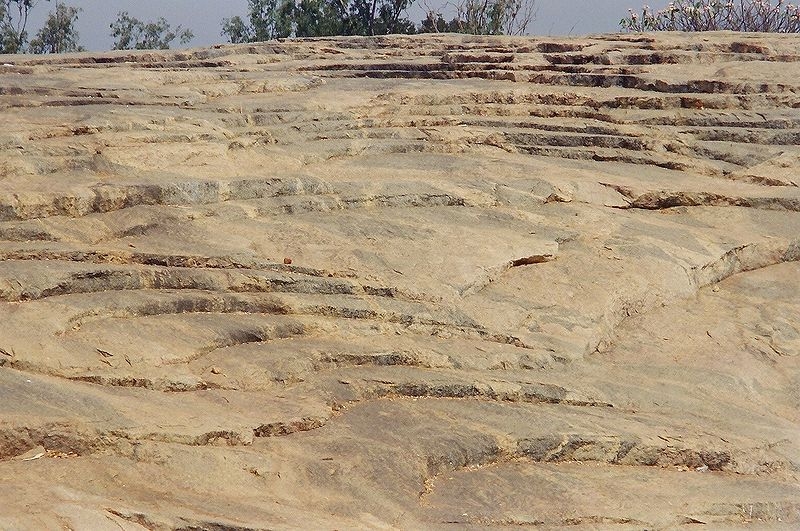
[265, 20]
[271, 19]
[59, 35]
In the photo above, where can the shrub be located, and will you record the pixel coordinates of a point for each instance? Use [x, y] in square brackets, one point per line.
[711, 15]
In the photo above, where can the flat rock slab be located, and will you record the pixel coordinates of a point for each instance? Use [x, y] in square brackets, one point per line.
[419, 282]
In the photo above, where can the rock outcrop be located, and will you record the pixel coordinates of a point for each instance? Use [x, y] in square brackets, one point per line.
[430, 282]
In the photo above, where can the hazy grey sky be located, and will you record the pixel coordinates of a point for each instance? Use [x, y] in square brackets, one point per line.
[203, 17]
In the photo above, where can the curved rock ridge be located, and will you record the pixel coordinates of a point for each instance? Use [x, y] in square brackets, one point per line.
[404, 282]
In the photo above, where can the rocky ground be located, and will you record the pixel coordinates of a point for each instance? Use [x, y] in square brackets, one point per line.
[429, 282]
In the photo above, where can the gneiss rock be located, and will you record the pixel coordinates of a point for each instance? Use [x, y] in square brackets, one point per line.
[401, 281]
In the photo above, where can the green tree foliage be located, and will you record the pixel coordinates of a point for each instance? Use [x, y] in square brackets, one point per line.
[483, 17]
[316, 18]
[263, 23]
[13, 23]
[380, 17]
[236, 30]
[58, 35]
[130, 33]
[434, 22]
[270, 19]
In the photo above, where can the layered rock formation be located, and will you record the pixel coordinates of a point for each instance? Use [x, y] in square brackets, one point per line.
[428, 282]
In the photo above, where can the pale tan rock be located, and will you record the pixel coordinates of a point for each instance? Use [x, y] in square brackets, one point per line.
[423, 282]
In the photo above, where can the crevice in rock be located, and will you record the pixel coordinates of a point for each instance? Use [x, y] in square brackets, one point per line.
[55, 436]
[172, 260]
[183, 523]
[744, 258]
[664, 199]
[616, 451]
[198, 278]
[492, 274]
[183, 303]
[519, 393]
[102, 198]
[165, 385]
[187, 301]
[282, 428]
[610, 450]
[741, 259]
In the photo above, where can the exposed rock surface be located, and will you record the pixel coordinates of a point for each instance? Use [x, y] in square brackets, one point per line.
[410, 282]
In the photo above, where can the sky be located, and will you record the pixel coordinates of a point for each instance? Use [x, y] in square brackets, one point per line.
[203, 17]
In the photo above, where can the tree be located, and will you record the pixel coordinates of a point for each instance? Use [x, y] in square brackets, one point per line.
[379, 17]
[714, 15]
[264, 23]
[131, 33]
[13, 22]
[236, 30]
[434, 22]
[483, 17]
[271, 19]
[58, 35]
[315, 18]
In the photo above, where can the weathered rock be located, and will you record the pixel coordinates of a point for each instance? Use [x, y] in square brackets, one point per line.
[402, 282]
